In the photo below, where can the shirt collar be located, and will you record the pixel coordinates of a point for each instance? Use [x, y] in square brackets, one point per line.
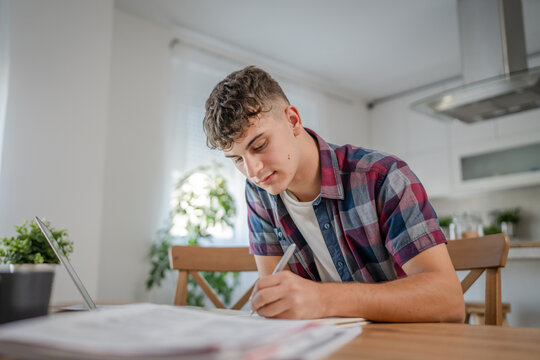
[331, 186]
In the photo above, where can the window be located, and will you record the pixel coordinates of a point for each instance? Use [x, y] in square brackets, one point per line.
[195, 73]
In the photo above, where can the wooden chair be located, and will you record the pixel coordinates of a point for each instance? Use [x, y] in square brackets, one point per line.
[487, 253]
[476, 311]
[189, 260]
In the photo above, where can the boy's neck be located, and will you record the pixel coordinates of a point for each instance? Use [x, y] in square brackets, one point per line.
[306, 184]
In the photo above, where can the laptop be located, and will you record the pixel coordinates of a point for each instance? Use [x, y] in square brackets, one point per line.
[67, 265]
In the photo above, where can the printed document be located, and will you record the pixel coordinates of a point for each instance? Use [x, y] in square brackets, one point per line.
[164, 331]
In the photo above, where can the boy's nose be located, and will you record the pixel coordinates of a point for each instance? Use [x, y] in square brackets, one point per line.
[252, 168]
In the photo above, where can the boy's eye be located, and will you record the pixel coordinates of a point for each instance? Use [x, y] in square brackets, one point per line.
[237, 160]
[260, 147]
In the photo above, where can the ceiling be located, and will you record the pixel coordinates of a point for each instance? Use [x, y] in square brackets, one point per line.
[371, 49]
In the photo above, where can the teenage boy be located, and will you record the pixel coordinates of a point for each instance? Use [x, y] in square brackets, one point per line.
[368, 241]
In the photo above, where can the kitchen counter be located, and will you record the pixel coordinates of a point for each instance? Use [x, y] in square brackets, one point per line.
[524, 244]
[521, 249]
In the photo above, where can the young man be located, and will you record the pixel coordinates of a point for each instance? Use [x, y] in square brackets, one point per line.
[368, 241]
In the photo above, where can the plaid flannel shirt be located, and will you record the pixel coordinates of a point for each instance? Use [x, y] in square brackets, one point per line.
[373, 212]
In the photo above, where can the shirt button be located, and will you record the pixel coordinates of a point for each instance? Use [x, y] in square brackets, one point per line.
[340, 263]
[280, 234]
[326, 226]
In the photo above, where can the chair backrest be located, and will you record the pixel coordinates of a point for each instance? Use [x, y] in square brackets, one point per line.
[189, 260]
[486, 253]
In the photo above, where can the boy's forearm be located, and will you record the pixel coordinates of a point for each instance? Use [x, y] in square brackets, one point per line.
[425, 297]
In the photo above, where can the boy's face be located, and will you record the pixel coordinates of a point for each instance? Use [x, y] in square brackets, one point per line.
[268, 152]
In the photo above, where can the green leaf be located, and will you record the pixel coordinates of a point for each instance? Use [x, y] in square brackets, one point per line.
[30, 246]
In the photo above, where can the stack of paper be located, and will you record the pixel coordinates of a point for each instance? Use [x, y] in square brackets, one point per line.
[161, 331]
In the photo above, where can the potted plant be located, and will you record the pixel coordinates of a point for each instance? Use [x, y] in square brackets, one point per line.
[27, 271]
[507, 219]
[202, 204]
[492, 229]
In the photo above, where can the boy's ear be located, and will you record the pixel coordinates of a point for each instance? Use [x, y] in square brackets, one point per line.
[294, 119]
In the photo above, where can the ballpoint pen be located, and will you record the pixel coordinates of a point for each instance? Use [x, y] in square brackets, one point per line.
[281, 265]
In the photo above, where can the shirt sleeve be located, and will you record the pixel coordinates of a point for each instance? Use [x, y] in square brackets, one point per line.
[262, 237]
[409, 224]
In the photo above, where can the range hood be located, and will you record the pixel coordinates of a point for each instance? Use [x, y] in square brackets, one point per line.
[494, 66]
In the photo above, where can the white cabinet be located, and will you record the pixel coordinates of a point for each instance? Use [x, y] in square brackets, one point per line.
[508, 162]
[505, 144]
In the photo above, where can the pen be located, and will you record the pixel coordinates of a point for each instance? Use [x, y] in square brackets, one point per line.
[281, 264]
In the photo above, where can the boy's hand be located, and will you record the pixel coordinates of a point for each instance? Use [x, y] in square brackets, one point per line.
[288, 296]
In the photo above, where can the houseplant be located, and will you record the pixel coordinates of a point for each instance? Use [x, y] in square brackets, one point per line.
[492, 229]
[507, 219]
[202, 205]
[27, 271]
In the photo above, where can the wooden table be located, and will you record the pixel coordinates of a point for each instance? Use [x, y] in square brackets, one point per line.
[436, 341]
[441, 341]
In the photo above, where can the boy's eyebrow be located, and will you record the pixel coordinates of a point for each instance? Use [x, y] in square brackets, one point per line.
[253, 140]
[248, 145]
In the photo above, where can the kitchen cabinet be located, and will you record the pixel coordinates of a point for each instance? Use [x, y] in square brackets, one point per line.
[509, 161]
[496, 140]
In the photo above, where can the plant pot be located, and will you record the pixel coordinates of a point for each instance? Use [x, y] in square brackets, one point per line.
[507, 228]
[25, 291]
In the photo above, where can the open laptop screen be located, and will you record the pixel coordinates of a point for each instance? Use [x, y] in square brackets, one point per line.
[64, 260]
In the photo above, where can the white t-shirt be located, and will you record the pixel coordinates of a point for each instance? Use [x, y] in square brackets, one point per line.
[304, 217]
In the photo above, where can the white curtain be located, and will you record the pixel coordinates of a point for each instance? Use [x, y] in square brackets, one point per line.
[195, 73]
[4, 68]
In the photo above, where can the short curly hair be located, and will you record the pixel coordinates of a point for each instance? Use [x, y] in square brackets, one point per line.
[242, 95]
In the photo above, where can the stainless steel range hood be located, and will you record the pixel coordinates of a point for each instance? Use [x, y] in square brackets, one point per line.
[494, 66]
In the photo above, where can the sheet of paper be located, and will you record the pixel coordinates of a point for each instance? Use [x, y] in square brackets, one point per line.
[340, 321]
[145, 330]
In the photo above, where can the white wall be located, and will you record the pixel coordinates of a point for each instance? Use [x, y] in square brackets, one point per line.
[4, 68]
[54, 135]
[136, 177]
[346, 124]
